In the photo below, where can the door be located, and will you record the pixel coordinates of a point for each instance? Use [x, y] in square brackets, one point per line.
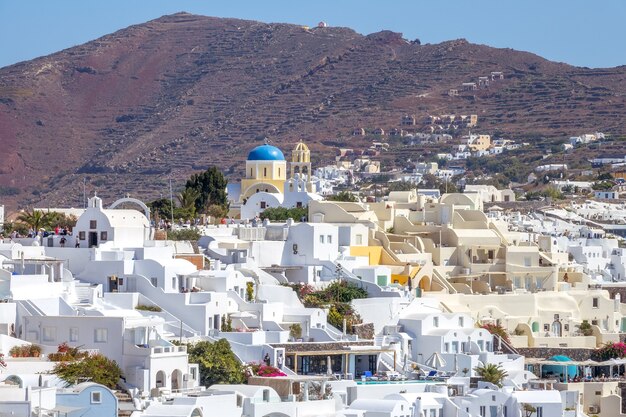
[113, 283]
[93, 239]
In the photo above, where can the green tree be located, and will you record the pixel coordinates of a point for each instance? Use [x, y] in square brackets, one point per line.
[218, 364]
[491, 373]
[211, 186]
[35, 219]
[217, 211]
[161, 208]
[95, 368]
[401, 186]
[187, 201]
[344, 196]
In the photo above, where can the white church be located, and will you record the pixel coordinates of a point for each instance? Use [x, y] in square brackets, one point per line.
[266, 184]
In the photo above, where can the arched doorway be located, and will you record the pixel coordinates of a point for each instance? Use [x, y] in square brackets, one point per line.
[556, 328]
[177, 379]
[14, 380]
[161, 379]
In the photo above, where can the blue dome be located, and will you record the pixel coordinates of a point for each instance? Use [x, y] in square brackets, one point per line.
[266, 153]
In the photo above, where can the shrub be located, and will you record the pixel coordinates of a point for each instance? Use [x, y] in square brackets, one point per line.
[218, 364]
[227, 324]
[611, 350]
[249, 291]
[295, 331]
[183, 234]
[260, 369]
[144, 307]
[95, 368]
[282, 213]
[585, 328]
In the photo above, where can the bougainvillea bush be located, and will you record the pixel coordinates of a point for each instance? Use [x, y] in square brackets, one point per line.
[611, 350]
[260, 369]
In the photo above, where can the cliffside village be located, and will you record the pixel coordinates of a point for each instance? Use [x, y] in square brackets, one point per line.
[454, 284]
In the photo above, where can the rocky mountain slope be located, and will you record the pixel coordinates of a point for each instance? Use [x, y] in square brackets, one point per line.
[126, 112]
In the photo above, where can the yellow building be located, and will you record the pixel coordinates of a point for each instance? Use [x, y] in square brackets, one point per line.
[266, 170]
[482, 143]
[300, 168]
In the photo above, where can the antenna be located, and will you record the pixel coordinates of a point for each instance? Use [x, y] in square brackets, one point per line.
[171, 204]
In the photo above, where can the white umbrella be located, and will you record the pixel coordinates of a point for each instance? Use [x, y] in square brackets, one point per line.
[435, 361]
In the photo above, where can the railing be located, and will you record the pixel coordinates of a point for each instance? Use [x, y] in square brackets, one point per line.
[168, 349]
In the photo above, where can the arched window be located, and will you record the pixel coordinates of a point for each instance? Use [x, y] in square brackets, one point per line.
[264, 172]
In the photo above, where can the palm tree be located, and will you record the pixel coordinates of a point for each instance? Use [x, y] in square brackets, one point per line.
[187, 200]
[34, 219]
[491, 373]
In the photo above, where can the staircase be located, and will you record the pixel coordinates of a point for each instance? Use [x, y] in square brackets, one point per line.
[505, 346]
[83, 294]
[125, 406]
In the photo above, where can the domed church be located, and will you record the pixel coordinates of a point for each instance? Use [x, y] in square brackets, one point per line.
[266, 183]
[266, 170]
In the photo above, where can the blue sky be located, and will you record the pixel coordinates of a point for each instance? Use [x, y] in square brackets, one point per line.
[579, 32]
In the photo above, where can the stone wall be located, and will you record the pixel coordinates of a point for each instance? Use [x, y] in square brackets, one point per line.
[577, 354]
[320, 346]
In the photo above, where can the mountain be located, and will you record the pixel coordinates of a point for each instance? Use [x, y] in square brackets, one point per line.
[126, 112]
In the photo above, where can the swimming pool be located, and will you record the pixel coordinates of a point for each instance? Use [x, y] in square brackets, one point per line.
[408, 381]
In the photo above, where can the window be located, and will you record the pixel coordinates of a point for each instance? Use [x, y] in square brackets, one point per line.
[435, 321]
[265, 172]
[539, 411]
[527, 261]
[250, 171]
[93, 224]
[154, 281]
[483, 411]
[104, 235]
[460, 321]
[266, 395]
[299, 204]
[359, 239]
[321, 238]
[96, 397]
[433, 412]
[101, 335]
[49, 334]
[595, 302]
[73, 334]
[505, 412]
[81, 235]
[546, 327]
[329, 238]
[446, 347]
[263, 204]
[279, 172]
[493, 398]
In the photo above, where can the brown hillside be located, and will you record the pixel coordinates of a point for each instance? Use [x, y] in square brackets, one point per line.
[176, 94]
